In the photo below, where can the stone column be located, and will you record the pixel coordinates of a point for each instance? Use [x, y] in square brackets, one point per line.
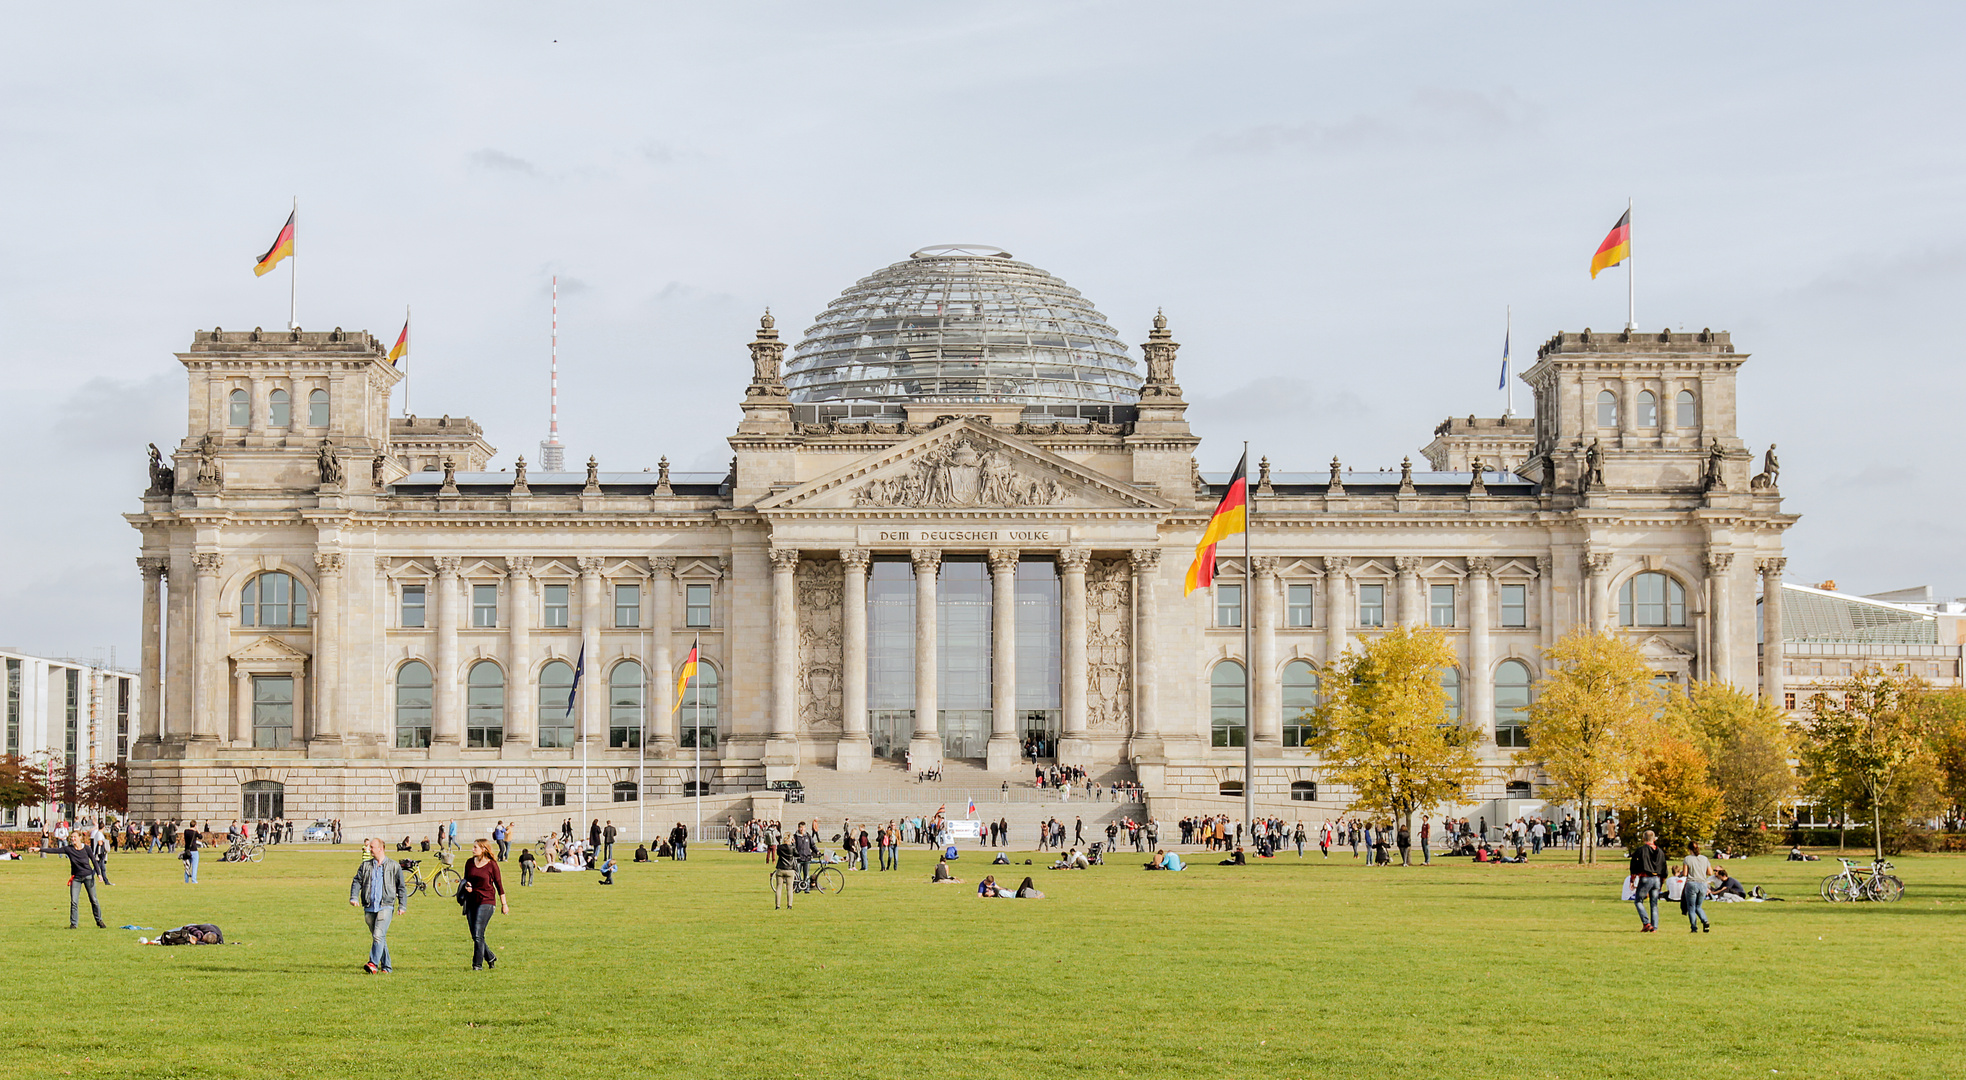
[1597, 565]
[1337, 606]
[447, 712]
[856, 751]
[241, 733]
[784, 654]
[1545, 600]
[1480, 684]
[326, 725]
[593, 694]
[521, 704]
[150, 709]
[1266, 714]
[206, 658]
[925, 746]
[1773, 685]
[1720, 661]
[1072, 747]
[662, 734]
[1412, 609]
[1002, 752]
[1146, 654]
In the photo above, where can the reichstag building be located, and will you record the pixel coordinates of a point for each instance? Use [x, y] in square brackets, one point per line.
[955, 527]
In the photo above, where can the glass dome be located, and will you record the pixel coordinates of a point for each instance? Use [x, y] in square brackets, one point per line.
[962, 323]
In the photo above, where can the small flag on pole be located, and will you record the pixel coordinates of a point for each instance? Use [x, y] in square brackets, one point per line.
[1617, 245]
[688, 673]
[1503, 385]
[283, 246]
[972, 806]
[579, 666]
[402, 347]
[1230, 518]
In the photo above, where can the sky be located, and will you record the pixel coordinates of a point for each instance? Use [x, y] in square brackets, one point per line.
[1335, 204]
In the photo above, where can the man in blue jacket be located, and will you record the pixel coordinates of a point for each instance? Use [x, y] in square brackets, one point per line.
[81, 875]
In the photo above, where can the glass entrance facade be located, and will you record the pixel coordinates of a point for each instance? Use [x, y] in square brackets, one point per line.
[1040, 658]
[962, 656]
[890, 654]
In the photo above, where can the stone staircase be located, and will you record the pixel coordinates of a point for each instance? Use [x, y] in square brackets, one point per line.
[888, 793]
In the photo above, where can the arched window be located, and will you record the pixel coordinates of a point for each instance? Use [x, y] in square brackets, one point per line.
[1651, 599]
[698, 715]
[625, 706]
[409, 799]
[1299, 699]
[1686, 413]
[263, 800]
[626, 791]
[1303, 791]
[1511, 703]
[556, 721]
[552, 793]
[481, 796]
[1229, 787]
[239, 409]
[484, 711]
[279, 409]
[1450, 681]
[1648, 409]
[1228, 705]
[274, 600]
[697, 787]
[1518, 789]
[1607, 409]
[413, 690]
[317, 408]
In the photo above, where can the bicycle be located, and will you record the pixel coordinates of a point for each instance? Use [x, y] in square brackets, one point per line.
[819, 879]
[1855, 883]
[445, 882]
[243, 852]
[413, 882]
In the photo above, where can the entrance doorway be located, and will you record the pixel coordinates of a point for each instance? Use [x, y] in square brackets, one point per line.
[1037, 732]
[965, 733]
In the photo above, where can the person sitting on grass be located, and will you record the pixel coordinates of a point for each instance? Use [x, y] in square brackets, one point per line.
[1235, 860]
[943, 876]
[1728, 887]
[1074, 859]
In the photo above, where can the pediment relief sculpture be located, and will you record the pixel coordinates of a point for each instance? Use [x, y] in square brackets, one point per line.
[958, 476]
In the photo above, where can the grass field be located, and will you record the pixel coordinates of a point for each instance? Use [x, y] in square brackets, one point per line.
[1288, 969]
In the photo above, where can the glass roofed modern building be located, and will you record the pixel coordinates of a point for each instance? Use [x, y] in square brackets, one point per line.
[1827, 635]
[955, 533]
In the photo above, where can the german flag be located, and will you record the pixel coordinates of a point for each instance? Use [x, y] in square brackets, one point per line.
[402, 347]
[283, 246]
[1231, 517]
[688, 673]
[1616, 247]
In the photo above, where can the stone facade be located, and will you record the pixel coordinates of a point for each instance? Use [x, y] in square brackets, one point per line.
[443, 607]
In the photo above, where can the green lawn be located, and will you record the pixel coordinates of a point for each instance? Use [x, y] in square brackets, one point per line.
[1292, 969]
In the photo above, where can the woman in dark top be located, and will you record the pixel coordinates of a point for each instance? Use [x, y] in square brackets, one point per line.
[484, 887]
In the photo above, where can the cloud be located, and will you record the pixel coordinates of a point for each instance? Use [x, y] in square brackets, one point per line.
[500, 161]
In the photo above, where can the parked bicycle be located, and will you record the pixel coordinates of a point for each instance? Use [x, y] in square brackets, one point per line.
[442, 883]
[243, 852]
[819, 879]
[1855, 883]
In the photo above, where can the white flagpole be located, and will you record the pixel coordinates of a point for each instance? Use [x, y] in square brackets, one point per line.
[695, 647]
[293, 272]
[1508, 347]
[406, 361]
[1248, 655]
[581, 735]
[1631, 296]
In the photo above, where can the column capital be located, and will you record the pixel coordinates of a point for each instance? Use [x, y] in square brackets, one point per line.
[1543, 565]
[783, 559]
[328, 562]
[1596, 563]
[1771, 567]
[1337, 564]
[1004, 560]
[1718, 562]
[1074, 558]
[1481, 565]
[1265, 566]
[662, 564]
[854, 558]
[207, 562]
[1406, 564]
[926, 560]
[449, 565]
[153, 567]
[590, 565]
[1144, 559]
[518, 567]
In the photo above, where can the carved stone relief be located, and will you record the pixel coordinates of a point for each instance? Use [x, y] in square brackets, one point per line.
[961, 474]
[1109, 645]
[819, 596]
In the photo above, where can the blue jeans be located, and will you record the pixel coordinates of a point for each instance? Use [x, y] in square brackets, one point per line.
[1696, 912]
[1648, 889]
[478, 916]
[191, 868]
[76, 886]
[379, 936]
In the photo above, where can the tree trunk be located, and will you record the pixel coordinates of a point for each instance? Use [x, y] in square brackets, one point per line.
[1877, 823]
[1587, 834]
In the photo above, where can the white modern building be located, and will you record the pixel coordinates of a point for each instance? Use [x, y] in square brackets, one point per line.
[65, 717]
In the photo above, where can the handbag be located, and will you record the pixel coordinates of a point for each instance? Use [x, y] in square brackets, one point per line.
[1630, 889]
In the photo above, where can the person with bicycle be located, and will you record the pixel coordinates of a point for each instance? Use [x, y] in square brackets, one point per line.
[378, 891]
[805, 848]
[787, 864]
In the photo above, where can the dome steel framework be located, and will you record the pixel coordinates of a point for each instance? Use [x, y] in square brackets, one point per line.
[962, 323]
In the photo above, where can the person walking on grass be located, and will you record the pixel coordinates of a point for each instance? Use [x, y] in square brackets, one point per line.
[378, 891]
[1426, 841]
[81, 875]
[1692, 900]
[193, 840]
[1648, 866]
[483, 886]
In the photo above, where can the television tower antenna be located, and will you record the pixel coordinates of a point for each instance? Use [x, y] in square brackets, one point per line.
[552, 455]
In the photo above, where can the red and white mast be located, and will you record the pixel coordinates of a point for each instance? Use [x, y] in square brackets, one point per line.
[553, 456]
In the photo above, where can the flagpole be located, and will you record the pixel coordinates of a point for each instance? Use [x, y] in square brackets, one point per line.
[406, 362]
[642, 765]
[698, 740]
[1508, 339]
[1248, 656]
[293, 272]
[1631, 295]
[580, 676]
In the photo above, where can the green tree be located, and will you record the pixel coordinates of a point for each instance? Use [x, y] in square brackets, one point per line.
[1868, 749]
[1945, 716]
[1591, 723]
[1672, 791]
[1383, 727]
[22, 783]
[1749, 747]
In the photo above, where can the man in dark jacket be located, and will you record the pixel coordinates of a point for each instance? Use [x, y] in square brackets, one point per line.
[82, 875]
[607, 842]
[1648, 865]
[805, 848]
[1405, 845]
[784, 866]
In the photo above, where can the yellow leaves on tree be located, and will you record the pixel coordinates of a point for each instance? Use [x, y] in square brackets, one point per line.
[1591, 723]
[1672, 792]
[1383, 728]
[1748, 746]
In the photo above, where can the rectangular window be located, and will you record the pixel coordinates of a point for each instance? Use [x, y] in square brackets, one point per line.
[484, 606]
[273, 711]
[1515, 606]
[1788, 700]
[1371, 605]
[554, 613]
[696, 606]
[409, 799]
[890, 654]
[1228, 605]
[1440, 606]
[627, 606]
[1300, 605]
[13, 708]
[413, 607]
[122, 719]
[74, 713]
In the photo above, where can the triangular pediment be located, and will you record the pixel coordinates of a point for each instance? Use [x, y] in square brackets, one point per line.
[268, 649]
[1658, 648]
[963, 466]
